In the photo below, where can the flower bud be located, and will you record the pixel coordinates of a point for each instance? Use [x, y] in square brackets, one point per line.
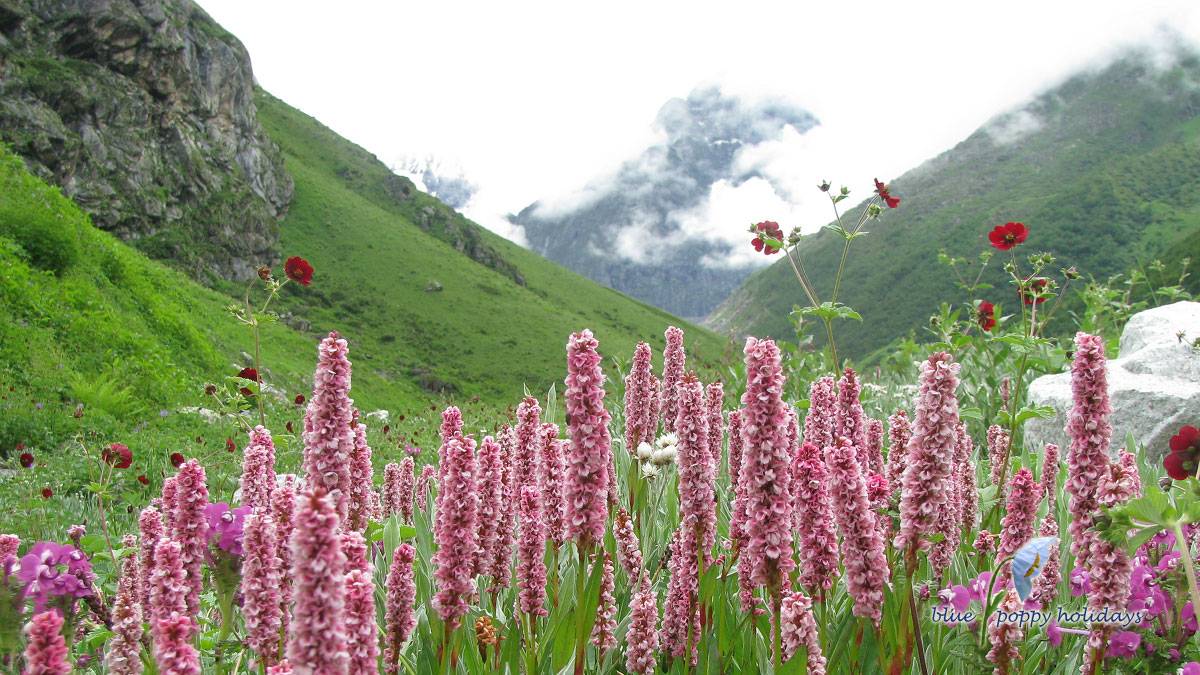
[264, 273]
[824, 186]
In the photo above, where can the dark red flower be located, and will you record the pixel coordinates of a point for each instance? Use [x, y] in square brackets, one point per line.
[288, 426]
[249, 374]
[26, 460]
[20, 446]
[986, 315]
[1008, 235]
[298, 270]
[299, 400]
[143, 480]
[768, 237]
[884, 194]
[1184, 457]
[47, 493]
[247, 392]
[118, 455]
[176, 459]
[230, 446]
[1032, 295]
[386, 429]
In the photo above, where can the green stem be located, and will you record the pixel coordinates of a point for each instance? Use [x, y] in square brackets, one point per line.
[777, 608]
[580, 620]
[1185, 551]
[832, 344]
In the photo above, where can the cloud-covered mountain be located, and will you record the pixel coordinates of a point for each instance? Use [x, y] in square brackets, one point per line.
[669, 226]
[450, 186]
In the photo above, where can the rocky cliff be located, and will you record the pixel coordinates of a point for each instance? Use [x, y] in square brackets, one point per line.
[142, 111]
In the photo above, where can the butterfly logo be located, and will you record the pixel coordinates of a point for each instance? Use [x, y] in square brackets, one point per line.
[1028, 562]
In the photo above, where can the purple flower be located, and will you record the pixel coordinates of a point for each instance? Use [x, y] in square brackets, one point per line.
[1080, 584]
[1124, 644]
[958, 597]
[1054, 633]
[225, 526]
[51, 571]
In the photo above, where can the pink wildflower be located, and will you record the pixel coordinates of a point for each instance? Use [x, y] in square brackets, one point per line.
[822, 418]
[552, 468]
[813, 520]
[849, 420]
[169, 588]
[714, 401]
[191, 527]
[45, 649]
[261, 578]
[173, 650]
[398, 482]
[679, 613]
[1049, 478]
[1090, 433]
[641, 639]
[1020, 513]
[985, 543]
[283, 515]
[862, 547]
[968, 489]
[899, 433]
[927, 481]
[281, 668]
[591, 453]
[1109, 565]
[874, 438]
[168, 503]
[455, 521]
[258, 469]
[735, 448]
[799, 629]
[765, 471]
[400, 619]
[629, 551]
[998, 444]
[640, 425]
[737, 508]
[361, 633]
[1006, 638]
[150, 529]
[9, 545]
[317, 639]
[696, 469]
[362, 478]
[529, 438]
[490, 489]
[604, 629]
[503, 551]
[674, 362]
[422, 493]
[531, 569]
[125, 646]
[328, 427]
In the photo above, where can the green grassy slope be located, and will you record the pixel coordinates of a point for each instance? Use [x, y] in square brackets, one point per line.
[1109, 177]
[483, 333]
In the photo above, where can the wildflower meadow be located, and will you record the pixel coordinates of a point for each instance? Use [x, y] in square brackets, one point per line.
[792, 514]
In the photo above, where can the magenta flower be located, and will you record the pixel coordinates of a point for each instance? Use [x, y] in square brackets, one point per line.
[849, 419]
[9, 544]
[697, 503]
[714, 401]
[490, 491]
[123, 656]
[641, 639]
[641, 410]
[261, 578]
[328, 426]
[362, 637]
[604, 629]
[531, 569]
[150, 529]
[54, 574]
[316, 640]
[822, 417]
[258, 470]
[1020, 513]
[590, 455]
[899, 434]
[629, 551]
[1109, 566]
[927, 485]
[455, 523]
[766, 459]
[813, 520]
[400, 619]
[45, 649]
[225, 526]
[191, 527]
[173, 649]
[674, 361]
[862, 547]
[1005, 637]
[1090, 433]
[798, 629]
[362, 478]
[552, 468]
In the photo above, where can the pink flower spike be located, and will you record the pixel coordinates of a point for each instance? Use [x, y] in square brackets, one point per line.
[261, 578]
[590, 456]
[400, 619]
[528, 432]
[398, 484]
[714, 401]
[191, 527]
[641, 419]
[45, 648]
[1016, 528]
[799, 629]
[674, 362]
[1090, 434]
[362, 637]
[283, 514]
[998, 446]
[862, 546]
[813, 520]
[258, 469]
[874, 446]
[490, 488]
[629, 551]
[1049, 477]
[820, 423]
[124, 649]
[328, 426]
[423, 483]
[899, 433]
[531, 569]
[150, 528]
[552, 470]
[697, 471]
[316, 642]
[850, 415]
[641, 638]
[173, 650]
[362, 478]
[455, 522]
[1005, 637]
[502, 554]
[604, 629]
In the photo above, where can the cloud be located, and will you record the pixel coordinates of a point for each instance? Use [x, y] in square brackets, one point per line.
[450, 185]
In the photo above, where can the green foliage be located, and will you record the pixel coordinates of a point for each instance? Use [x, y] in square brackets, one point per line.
[34, 216]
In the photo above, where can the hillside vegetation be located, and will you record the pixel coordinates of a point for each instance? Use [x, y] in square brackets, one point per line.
[1104, 169]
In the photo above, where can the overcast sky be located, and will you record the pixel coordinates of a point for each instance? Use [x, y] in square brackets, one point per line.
[534, 100]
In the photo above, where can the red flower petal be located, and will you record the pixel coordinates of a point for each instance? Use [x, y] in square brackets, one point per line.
[1174, 465]
[47, 493]
[26, 460]
[176, 459]
[298, 270]
[1186, 438]
[249, 374]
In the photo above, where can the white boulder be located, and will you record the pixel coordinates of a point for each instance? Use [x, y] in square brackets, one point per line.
[1154, 384]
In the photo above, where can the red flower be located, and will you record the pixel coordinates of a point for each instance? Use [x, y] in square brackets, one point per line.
[1032, 295]
[26, 460]
[118, 455]
[288, 426]
[299, 400]
[1184, 458]
[247, 392]
[298, 270]
[768, 237]
[176, 459]
[986, 315]
[230, 446]
[884, 194]
[1008, 235]
[47, 493]
[143, 480]
[249, 374]
[386, 429]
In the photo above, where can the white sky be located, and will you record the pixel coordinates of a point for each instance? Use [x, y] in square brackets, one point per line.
[533, 99]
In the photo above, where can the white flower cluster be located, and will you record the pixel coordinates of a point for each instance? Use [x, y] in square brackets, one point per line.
[653, 457]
